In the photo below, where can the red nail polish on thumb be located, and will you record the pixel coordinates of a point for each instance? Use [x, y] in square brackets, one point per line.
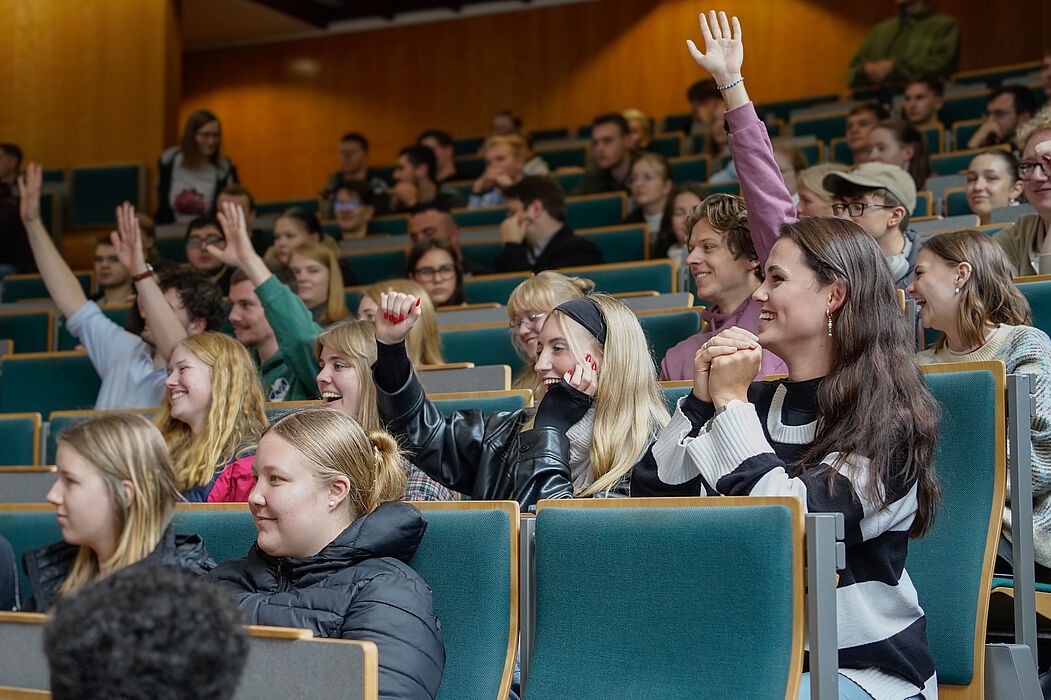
[418, 300]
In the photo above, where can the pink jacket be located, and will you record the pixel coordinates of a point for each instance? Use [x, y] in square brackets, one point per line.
[234, 483]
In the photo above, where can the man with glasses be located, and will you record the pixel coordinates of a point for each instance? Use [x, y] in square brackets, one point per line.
[535, 233]
[1006, 111]
[1026, 243]
[202, 230]
[880, 198]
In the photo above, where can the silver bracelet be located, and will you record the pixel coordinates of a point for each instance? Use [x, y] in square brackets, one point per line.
[727, 87]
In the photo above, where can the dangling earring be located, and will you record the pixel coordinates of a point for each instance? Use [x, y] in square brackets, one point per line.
[829, 314]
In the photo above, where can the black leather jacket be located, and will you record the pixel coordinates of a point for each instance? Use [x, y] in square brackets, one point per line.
[488, 457]
[47, 567]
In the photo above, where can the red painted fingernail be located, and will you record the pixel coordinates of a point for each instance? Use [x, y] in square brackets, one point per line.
[587, 357]
[401, 318]
[385, 316]
[594, 366]
[418, 300]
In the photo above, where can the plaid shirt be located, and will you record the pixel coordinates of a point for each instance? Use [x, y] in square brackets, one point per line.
[423, 488]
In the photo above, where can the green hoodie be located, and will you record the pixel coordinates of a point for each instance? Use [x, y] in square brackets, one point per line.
[290, 374]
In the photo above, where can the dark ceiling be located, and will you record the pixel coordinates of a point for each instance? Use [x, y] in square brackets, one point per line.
[322, 13]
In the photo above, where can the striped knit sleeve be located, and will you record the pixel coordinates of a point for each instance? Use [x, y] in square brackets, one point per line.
[733, 453]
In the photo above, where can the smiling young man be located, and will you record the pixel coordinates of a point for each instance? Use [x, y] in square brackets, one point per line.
[726, 269]
[880, 198]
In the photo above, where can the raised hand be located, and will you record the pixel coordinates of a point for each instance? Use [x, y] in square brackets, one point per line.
[729, 342]
[396, 316]
[127, 239]
[29, 188]
[238, 250]
[723, 49]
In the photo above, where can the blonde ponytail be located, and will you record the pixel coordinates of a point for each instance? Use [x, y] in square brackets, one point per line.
[390, 480]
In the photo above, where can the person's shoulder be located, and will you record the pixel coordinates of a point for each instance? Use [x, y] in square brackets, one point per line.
[168, 155]
[1028, 337]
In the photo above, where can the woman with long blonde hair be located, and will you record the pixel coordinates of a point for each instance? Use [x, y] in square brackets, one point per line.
[528, 307]
[600, 411]
[114, 495]
[212, 441]
[334, 545]
[319, 282]
[345, 353]
[425, 342]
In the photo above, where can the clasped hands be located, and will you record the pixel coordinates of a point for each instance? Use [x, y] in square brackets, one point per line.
[725, 365]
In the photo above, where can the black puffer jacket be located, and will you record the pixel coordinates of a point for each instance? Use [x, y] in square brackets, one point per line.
[486, 456]
[47, 567]
[358, 587]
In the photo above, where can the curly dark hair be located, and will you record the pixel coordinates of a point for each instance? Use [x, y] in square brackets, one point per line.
[146, 631]
[200, 297]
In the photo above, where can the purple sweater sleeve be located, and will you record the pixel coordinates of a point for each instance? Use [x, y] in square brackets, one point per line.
[767, 199]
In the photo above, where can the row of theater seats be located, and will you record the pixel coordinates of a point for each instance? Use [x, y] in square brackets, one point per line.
[86, 196]
[634, 584]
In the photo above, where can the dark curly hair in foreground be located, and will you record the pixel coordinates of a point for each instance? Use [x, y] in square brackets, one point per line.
[146, 632]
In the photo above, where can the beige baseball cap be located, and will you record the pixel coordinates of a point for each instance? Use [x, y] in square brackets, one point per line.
[877, 175]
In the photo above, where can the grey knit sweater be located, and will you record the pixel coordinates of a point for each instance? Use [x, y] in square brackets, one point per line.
[1024, 350]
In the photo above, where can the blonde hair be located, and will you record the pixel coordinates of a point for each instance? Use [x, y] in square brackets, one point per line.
[355, 342]
[629, 409]
[1041, 121]
[424, 342]
[336, 304]
[234, 422]
[542, 292]
[337, 446]
[645, 120]
[124, 447]
[813, 178]
[513, 141]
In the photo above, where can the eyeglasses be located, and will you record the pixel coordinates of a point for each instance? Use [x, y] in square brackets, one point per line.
[856, 209]
[1027, 168]
[197, 241]
[533, 319]
[429, 273]
[349, 206]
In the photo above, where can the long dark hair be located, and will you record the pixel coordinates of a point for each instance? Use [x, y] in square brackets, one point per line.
[989, 297]
[427, 244]
[191, 154]
[873, 401]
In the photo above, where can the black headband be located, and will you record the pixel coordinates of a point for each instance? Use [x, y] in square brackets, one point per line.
[585, 312]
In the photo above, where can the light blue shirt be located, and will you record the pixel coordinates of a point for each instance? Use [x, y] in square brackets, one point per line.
[123, 360]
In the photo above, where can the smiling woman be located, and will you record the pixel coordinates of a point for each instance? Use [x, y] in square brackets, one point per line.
[601, 408]
[212, 442]
[333, 547]
[319, 282]
[114, 496]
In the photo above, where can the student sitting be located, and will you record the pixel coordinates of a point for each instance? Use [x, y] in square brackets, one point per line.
[332, 549]
[992, 182]
[436, 266]
[963, 288]
[346, 352]
[600, 410]
[319, 282]
[211, 416]
[1026, 243]
[115, 493]
[131, 365]
[836, 434]
[267, 316]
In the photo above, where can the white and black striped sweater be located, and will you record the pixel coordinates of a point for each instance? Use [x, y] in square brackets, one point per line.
[753, 449]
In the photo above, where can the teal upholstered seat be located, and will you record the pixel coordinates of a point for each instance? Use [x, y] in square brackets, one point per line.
[46, 382]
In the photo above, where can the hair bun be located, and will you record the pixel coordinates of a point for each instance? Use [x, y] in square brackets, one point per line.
[382, 442]
[583, 284]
